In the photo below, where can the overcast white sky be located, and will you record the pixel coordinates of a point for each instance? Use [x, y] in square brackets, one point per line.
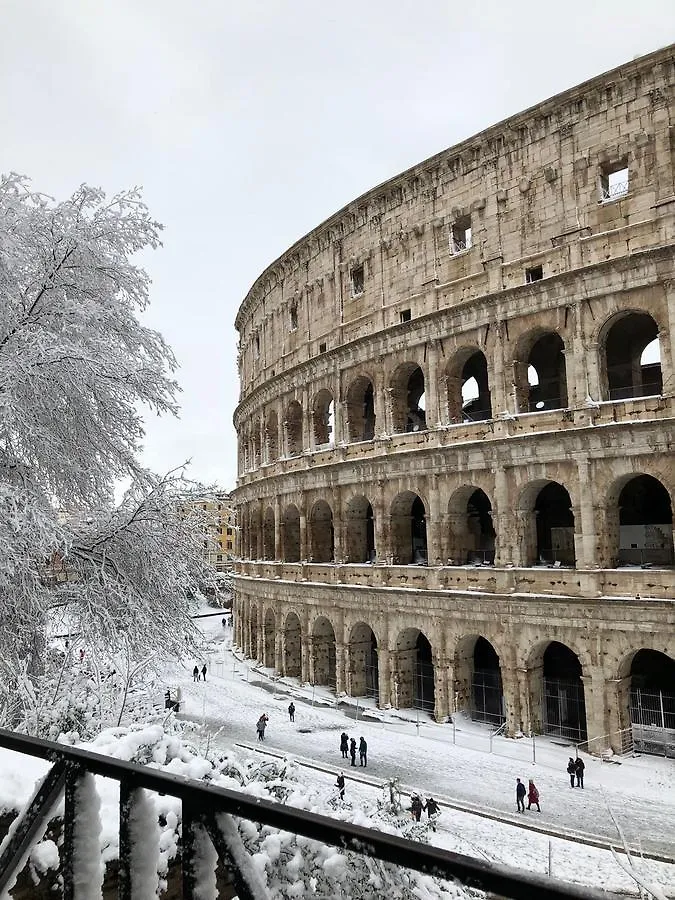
[249, 122]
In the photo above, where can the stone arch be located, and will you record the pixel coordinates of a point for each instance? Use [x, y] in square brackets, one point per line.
[272, 436]
[360, 530]
[321, 533]
[293, 429]
[623, 339]
[414, 677]
[291, 533]
[647, 700]
[640, 521]
[408, 530]
[540, 372]
[363, 662]
[323, 652]
[556, 691]
[478, 680]
[407, 398]
[360, 410]
[270, 633]
[323, 419]
[268, 534]
[471, 532]
[292, 646]
[547, 522]
[468, 387]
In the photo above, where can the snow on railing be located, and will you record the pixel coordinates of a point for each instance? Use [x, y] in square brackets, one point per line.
[210, 833]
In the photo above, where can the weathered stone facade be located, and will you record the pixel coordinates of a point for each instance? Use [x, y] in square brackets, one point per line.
[456, 468]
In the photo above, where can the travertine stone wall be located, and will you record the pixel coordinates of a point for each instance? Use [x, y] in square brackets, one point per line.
[546, 243]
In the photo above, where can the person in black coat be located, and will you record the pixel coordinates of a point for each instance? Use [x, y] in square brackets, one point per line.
[344, 744]
[520, 795]
[340, 785]
[433, 811]
[291, 711]
[352, 750]
[195, 673]
[416, 807]
[579, 767]
[571, 770]
[363, 751]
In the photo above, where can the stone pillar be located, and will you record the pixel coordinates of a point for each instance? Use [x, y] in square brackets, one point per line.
[304, 549]
[525, 723]
[279, 650]
[667, 342]
[342, 435]
[617, 691]
[593, 386]
[443, 406]
[434, 540]
[307, 424]
[499, 391]
[431, 386]
[587, 550]
[388, 410]
[384, 677]
[260, 634]
[442, 686]
[382, 526]
[597, 720]
[278, 534]
[340, 662]
[502, 519]
[259, 540]
[339, 528]
[306, 665]
[511, 698]
[380, 406]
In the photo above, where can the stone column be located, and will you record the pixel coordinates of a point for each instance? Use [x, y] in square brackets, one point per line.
[339, 528]
[667, 342]
[431, 386]
[597, 721]
[617, 691]
[382, 526]
[259, 539]
[379, 405]
[388, 411]
[499, 394]
[384, 677]
[521, 675]
[340, 664]
[593, 386]
[304, 549]
[278, 534]
[260, 635]
[586, 549]
[442, 686]
[279, 650]
[502, 519]
[511, 698]
[307, 424]
[434, 540]
[306, 663]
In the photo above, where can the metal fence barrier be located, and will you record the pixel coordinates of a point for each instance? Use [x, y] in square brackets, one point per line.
[207, 809]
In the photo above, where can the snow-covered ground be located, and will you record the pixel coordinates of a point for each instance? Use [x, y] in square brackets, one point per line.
[636, 795]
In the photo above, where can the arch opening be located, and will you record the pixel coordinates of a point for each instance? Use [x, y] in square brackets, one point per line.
[408, 530]
[478, 680]
[562, 692]
[272, 436]
[547, 377]
[321, 533]
[360, 536]
[323, 419]
[554, 527]
[652, 702]
[629, 371]
[363, 662]
[293, 429]
[323, 653]
[268, 534]
[414, 671]
[361, 410]
[475, 389]
[407, 399]
[645, 523]
[291, 534]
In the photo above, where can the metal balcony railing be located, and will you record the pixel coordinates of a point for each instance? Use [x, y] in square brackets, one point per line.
[613, 191]
[207, 809]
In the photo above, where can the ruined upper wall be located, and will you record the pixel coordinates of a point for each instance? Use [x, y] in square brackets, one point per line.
[531, 187]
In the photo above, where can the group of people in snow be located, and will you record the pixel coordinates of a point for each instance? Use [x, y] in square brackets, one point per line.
[348, 749]
[199, 675]
[431, 806]
[575, 769]
[261, 725]
[532, 795]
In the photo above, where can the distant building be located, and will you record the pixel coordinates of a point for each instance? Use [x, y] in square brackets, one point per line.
[220, 531]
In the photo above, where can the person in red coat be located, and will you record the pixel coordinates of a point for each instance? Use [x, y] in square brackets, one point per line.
[533, 796]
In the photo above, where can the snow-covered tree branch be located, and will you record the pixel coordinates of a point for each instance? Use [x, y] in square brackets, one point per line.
[77, 369]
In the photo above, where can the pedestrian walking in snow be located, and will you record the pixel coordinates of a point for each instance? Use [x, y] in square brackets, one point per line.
[344, 744]
[416, 807]
[195, 673]
[291, 711]
[520, 795]
[82, 654]
[204, 671]
[340, 785]
[533, 796]
[260, 726]
[352, 750]
[363, 751]
[433, 811]
[571, 770]
[579, 767]
[224, 621]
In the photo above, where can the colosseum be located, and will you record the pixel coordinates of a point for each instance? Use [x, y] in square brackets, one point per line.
[456, 431]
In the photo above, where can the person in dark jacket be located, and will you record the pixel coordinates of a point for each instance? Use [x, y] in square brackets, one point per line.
[520, 795]
[579, 767]
[363, 751]
[533, 796]
[416, 807]
[433, 811]
[204, 671]
[340, 785]
[571, 770]
[260, 726]
[344, 744]
[352, 750]
[291, 711]
[195, 673]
